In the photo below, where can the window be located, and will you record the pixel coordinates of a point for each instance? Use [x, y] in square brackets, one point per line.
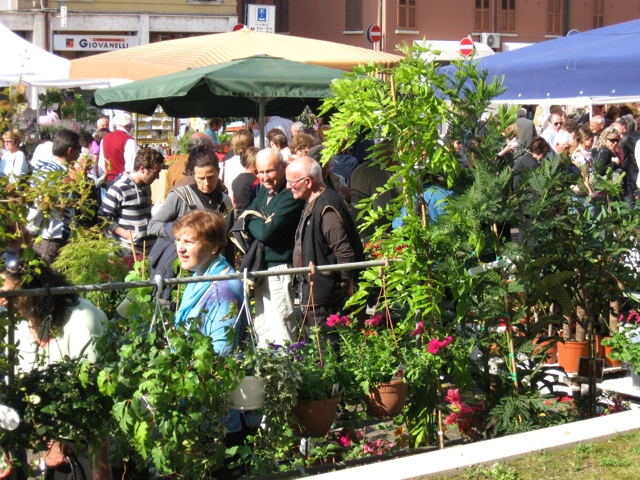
[407, 14]
[282, 16]
[598, 13]
[353, 12]
[482, 16]
[508, 16]
[554, 17]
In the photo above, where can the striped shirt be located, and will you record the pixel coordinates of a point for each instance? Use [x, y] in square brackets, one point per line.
[54, 227]
[128, 205]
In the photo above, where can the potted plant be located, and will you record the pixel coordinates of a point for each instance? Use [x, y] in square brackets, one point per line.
[318, 391]
[625, 344]
[250, 393]
[374, 356]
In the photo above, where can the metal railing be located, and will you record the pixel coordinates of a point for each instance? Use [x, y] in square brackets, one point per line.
[104, 287]
[10, 295]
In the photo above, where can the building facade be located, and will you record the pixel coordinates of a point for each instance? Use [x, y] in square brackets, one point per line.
[510, 21]
[79, 28]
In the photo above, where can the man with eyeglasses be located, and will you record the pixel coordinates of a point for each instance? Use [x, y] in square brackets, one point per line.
[555, 124]
[326, 235]
[55, 229]
[275, 319]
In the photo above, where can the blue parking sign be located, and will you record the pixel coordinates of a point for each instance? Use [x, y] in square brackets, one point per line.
[262, 14]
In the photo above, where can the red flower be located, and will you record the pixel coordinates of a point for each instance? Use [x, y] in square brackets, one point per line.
[375, 320]
[337, 320]
[419, 329]
[344, 438]
[435, 345]
[453, 396]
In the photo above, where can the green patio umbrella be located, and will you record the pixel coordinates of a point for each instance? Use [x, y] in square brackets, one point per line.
[248, 87]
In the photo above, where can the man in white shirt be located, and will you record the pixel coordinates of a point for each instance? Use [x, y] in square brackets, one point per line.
[555, 124]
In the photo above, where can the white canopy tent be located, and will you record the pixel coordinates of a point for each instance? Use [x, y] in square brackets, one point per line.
[23, 62]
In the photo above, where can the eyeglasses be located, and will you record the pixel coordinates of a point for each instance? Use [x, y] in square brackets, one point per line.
[8, 141]
[614, 140]
[294, 183]
[558, 124]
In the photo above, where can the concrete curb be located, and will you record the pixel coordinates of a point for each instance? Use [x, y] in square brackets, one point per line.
[454, 460]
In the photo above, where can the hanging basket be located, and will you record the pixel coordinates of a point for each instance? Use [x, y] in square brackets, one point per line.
[315, 417]
[249, 395]
[387, 399]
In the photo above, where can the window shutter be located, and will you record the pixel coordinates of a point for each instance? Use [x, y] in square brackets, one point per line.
[482, 16]
[508, 16]
[282, 15]
[554, 17]
[353, 13]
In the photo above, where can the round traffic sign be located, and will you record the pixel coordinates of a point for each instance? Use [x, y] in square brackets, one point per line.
[466, 46]
[374, 34]
[237, 27]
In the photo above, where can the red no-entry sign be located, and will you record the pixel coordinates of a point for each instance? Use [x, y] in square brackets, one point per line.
[466, 46]
[374, 34]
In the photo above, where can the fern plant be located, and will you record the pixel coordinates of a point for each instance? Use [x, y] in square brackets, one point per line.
[91, 258]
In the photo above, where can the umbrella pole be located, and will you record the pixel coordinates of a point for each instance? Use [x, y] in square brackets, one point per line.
[261, 109]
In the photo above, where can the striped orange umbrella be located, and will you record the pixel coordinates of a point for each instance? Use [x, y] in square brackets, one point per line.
[155, 59]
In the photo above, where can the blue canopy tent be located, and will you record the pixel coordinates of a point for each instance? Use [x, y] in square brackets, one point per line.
[595, 67]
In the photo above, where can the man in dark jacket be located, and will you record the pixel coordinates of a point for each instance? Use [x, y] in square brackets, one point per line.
[626, 149]
[275, 317]
[326, 235]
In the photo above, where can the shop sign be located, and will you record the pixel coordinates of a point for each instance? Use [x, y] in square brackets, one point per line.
[95, 43]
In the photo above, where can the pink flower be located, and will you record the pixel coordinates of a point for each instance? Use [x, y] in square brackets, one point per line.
[435, 345]
[375, 320]
[360, 435]
[419, 329]
[337, 320]
[333, 320]
[344, 438]
[453, 396]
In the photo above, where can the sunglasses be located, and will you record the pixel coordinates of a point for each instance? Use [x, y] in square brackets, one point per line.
[614, 140]
[558, 124]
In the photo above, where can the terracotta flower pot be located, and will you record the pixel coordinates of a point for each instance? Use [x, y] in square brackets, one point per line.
[315, 416]
[609, 362]
[387, 399]
[552, 353]
[249, 395]
[569, 354]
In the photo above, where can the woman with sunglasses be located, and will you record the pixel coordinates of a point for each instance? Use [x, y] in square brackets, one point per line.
[53, 327]
[606, 156]
[14, 163]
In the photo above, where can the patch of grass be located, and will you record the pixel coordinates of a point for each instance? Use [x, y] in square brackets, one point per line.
[611, 460]
[587, 448]
[497, 471]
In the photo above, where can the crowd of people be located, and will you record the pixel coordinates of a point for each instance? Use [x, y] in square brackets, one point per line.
[293, 211]
[589, 145]
[281, 208]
